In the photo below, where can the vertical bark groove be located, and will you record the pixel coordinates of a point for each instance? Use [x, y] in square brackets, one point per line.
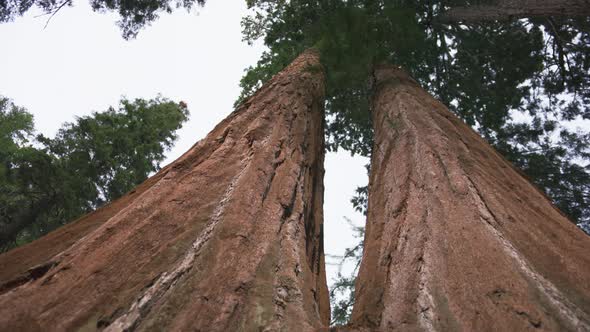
[456, 238]
[228, 237]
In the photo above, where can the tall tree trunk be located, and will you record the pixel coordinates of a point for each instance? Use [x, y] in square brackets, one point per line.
[457, 239]
[226, 238]
[504, 10]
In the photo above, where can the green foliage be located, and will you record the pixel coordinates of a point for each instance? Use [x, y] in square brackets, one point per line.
[486, 79]
[134, 14]
[352, 36]
[16, 125]
[360, 200]
[119, 147]
[486, 73]
[342, 299]
[553, 158]
[23, 169]
[47, 182]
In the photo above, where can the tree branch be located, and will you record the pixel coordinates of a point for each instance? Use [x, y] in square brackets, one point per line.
[506, 10]
[53, 12]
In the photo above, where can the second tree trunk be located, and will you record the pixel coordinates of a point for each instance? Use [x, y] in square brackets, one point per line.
[456, 238]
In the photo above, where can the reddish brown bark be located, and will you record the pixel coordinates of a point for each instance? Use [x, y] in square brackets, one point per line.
[456, 238]
[504, 10]
[226, 238]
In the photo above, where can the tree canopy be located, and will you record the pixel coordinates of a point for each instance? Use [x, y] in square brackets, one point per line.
[47, 182]
[134, 14]
[522, 84]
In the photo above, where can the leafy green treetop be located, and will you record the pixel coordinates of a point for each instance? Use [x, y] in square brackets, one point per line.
[47, 182]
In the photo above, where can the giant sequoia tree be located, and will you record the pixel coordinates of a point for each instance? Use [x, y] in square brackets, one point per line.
[455, 233]
[229, 236]
[232, 230]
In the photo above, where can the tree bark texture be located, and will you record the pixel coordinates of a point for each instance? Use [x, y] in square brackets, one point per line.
[226, 238]
[504, 10]
[456, 238]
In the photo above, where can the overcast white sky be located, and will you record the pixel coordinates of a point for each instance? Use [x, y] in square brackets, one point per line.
[80, 64]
